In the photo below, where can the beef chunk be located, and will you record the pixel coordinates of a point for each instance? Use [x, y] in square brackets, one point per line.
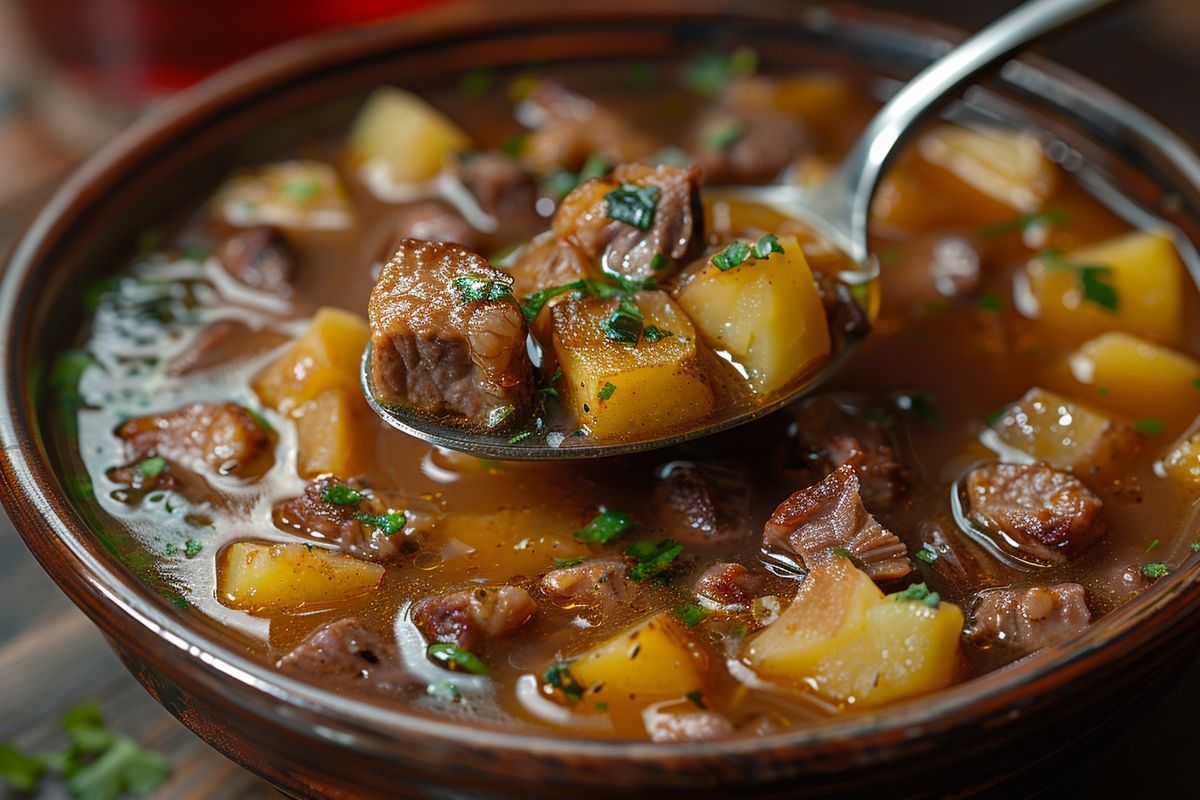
[223, 437]
[221, 342]
[440, 351]
[261, 259]
[827, 434]
[841, 309]
[569, 128]
[345, 648]
[674, 233]
[433, 222]
[687, 497]
[312, 515]
[1025, 620]
[599, 583]
[692, 726]
[548, 261]
[470, 615]
[728, 587]
[735, 145]
[1047, 513]
[814, 521]
[500, 185]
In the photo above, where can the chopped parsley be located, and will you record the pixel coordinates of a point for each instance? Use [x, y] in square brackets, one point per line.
[609, 524]
[733, 255]
[515, 146]
[1150, 427]
[724, 136]
[1094, 279]
[691, 614]
[882, 417]
[341, 495]
[535, 302]
[477, 82]
[302, 190]
[652, 558]
[1195, 547]
[991, 303]
[152, 240]
[548, 390]
[919, 593]
[697, 698]
[559, 677]
[497, 415]
[1155, 570]
[443, 690]
[607, 391]
[767, 244]
[455, 658]
[563, 563]
[20, 771]
[710, 73]
[388, 524]
[192, 548]
[473, 288]
[926, 555]
[1051, 217]
[633, 205]
[659, 262]
[1151, 547]
[560, 184]
[517, 438]
[840, 551]
[151, 467]
[624, 325]
[654, 334]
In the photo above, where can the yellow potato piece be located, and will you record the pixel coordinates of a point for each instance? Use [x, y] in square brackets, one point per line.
[296, 195]
[401, 132]
[1144, 381]
[265, 578]
[765, 313]
[654, 660]
[989, 165]
[850, 644]
[1144, 271]
[1182, 462]
[654, 386]
[326, 356]
[330, 433]
[497, 546]
[1064, 433]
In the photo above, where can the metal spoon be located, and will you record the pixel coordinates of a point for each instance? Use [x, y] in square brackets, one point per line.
[838, 212]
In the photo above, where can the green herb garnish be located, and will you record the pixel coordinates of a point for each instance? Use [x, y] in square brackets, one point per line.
[697, 698]
[624, 325]
[151, 467]
[453, 657]
[473, 288]
[1195, 547]
[517, 438]
[692, 614]
[652, 558]
[1151, 547]
[710, 73]
[639, 75]
[766, 245]
[724, 136]
[633, 205]
[1150, 427]
[563, 563]
[515, 146]
[607, 391]
[341, 495]
[1053, 217]
[20, 771]
[882, 417]
[919, 593]
[1155, 570]
[609, 524]
[991, 303]
[497, 415]
[559, 676]
[548, 390]
[840, 551]
[477, 82]
[652, 334]
[192, 548]
[302, 190]
[446, 691]
[735, 253]
[389, 524]
[926, 555]
[1094, 279]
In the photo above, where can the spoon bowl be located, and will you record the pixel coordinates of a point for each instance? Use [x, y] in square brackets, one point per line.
[837, 212]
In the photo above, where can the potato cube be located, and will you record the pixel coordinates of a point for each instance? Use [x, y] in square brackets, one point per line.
[1146, 295]
[295, 195]
[1182, 462]
[621, 389]
[330, 431]
[656, 659]
[842, 637]
[765, 312]
[265, 578]
[499, 545]
[403, 137]
[1144, 381]
[1064, 433]
[994, 172]
[326, 356]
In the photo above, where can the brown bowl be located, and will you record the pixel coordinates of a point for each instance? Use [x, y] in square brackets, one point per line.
[311, 742]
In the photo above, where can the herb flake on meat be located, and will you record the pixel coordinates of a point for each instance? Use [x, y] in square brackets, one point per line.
[473, 288]
[633, 205]
[342, 495]
[691, 614]
[388, 524]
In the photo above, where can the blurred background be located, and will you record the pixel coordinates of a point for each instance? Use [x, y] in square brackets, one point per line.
[74, 72]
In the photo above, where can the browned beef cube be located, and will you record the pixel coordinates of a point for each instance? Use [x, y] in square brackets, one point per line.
[432, 222]
[728, 587]
[500, 185]
[701, 504]
[261, 259]
[548, 261]
[735, 145]
[827, 434]
[345, 648]
[598, 583]
[1045, 512]
[642, 222]
[570, 128]
[818, 522]
[469, 616]
[347, 524]
[219, 437]
[448, 336]
[1024, 620]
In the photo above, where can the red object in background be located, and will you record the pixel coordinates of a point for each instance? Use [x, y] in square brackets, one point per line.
[129, 50]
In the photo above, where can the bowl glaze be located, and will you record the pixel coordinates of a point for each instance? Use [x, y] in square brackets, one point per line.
[990, 734]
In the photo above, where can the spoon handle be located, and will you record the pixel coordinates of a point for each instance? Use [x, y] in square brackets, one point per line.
[845, 200]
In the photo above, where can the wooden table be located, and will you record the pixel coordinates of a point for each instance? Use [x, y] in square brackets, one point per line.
[52, 658]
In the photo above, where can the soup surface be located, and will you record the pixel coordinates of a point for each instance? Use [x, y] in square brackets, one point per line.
[1011, 454]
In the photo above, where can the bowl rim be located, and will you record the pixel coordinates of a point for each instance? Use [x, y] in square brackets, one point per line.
[44, 516]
